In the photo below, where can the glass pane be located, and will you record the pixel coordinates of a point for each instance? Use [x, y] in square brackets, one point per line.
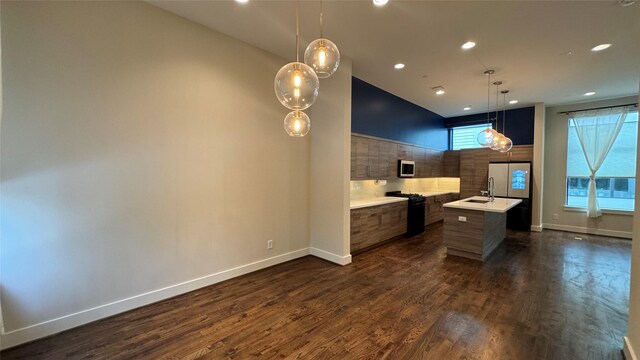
[466, 137]
[615, 184]
[612, 193]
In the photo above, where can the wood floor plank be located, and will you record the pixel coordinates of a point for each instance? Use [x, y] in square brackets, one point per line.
[539, 296]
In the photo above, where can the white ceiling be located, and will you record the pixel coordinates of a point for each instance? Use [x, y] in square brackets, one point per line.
[524, 41]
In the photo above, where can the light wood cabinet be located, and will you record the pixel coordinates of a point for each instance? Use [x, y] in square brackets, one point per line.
[375, 224]
[474, 166]
[451, 163]
[434, 163]
[405, 152]
[474, 171]
[359, 157]
[434, 209]
[373, 158]
[419, 155]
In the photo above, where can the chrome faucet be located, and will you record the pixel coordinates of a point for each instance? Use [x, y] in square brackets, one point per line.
[491, 189]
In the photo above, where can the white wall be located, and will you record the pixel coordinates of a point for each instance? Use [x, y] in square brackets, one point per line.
[555, 165]
[632, 341]
[143, 156]
[330, 167]
[538, 167]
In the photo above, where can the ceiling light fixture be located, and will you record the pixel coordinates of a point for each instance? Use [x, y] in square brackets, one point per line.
[438, 89]
[399, 66]
[296, 86]
[485, 137]
[513, 102]
[467, 108]
[322, 54]
[297, 124]
[625, 3]
[600, 47]
[590, 93]
[380, 2]
[468, 45]
[242, 1]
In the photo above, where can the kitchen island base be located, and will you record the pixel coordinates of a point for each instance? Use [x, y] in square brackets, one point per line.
[473, 234]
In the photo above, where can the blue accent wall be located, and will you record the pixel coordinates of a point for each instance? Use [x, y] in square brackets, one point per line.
[520, 123]
[378, 113]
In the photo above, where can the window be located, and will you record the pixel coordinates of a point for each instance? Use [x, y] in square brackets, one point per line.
[465, 137]
[615, 182]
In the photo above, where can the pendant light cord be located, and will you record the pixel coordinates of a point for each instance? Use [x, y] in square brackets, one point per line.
[297, 30]
[321, 19]
[497, 104]
[488, 96]
[504, 113]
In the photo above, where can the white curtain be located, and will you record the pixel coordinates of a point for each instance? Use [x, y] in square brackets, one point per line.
[597, 131]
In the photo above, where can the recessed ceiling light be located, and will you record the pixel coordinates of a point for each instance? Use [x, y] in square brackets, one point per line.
[600, 47]
[380, 2]
[590, 93]
[242, 1]
[468, 45]
[399, 66]
[513, 102]
[438, 89]
[467, 108]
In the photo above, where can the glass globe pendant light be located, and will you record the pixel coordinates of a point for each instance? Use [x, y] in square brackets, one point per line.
[297, 123]
[322, 54]
[485, 137]
[505, 144]
[296, 84]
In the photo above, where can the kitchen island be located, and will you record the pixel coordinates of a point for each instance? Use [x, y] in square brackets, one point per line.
[475, 226]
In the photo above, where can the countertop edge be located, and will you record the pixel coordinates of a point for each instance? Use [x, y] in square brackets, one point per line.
[363, 203]
[458, 205]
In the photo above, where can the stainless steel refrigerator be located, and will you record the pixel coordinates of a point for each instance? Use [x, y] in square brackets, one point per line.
[513, 180]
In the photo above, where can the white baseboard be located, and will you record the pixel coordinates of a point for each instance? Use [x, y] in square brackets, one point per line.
[537, 228]
[629, 354]
[584, 230]
[50, 327]
[337, 259]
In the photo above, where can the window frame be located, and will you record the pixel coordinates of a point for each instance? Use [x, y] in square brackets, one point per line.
[452, 128]
[566, 180]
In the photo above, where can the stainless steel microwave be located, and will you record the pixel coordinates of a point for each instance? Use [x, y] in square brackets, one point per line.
[406, 168]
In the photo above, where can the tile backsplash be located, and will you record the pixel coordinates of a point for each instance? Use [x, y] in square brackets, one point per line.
[361, 189]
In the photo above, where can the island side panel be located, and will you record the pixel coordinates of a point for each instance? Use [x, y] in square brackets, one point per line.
[495, 230]
[464, 238]
[477, 237]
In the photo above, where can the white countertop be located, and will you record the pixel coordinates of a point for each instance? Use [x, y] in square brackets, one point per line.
[436, 193]
[499, 205]
[361, 203]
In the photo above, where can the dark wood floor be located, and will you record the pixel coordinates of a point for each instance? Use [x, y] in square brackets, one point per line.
[540, 296]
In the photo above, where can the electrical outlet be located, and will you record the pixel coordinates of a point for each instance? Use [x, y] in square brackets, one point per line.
[555, 217]
[462, 218]
[269, 244]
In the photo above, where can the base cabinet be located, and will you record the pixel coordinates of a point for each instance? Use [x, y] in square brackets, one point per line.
[434, 211]
[475, 237]
[375, 224]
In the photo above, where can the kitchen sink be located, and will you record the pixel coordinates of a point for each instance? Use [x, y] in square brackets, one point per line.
[477, 201]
